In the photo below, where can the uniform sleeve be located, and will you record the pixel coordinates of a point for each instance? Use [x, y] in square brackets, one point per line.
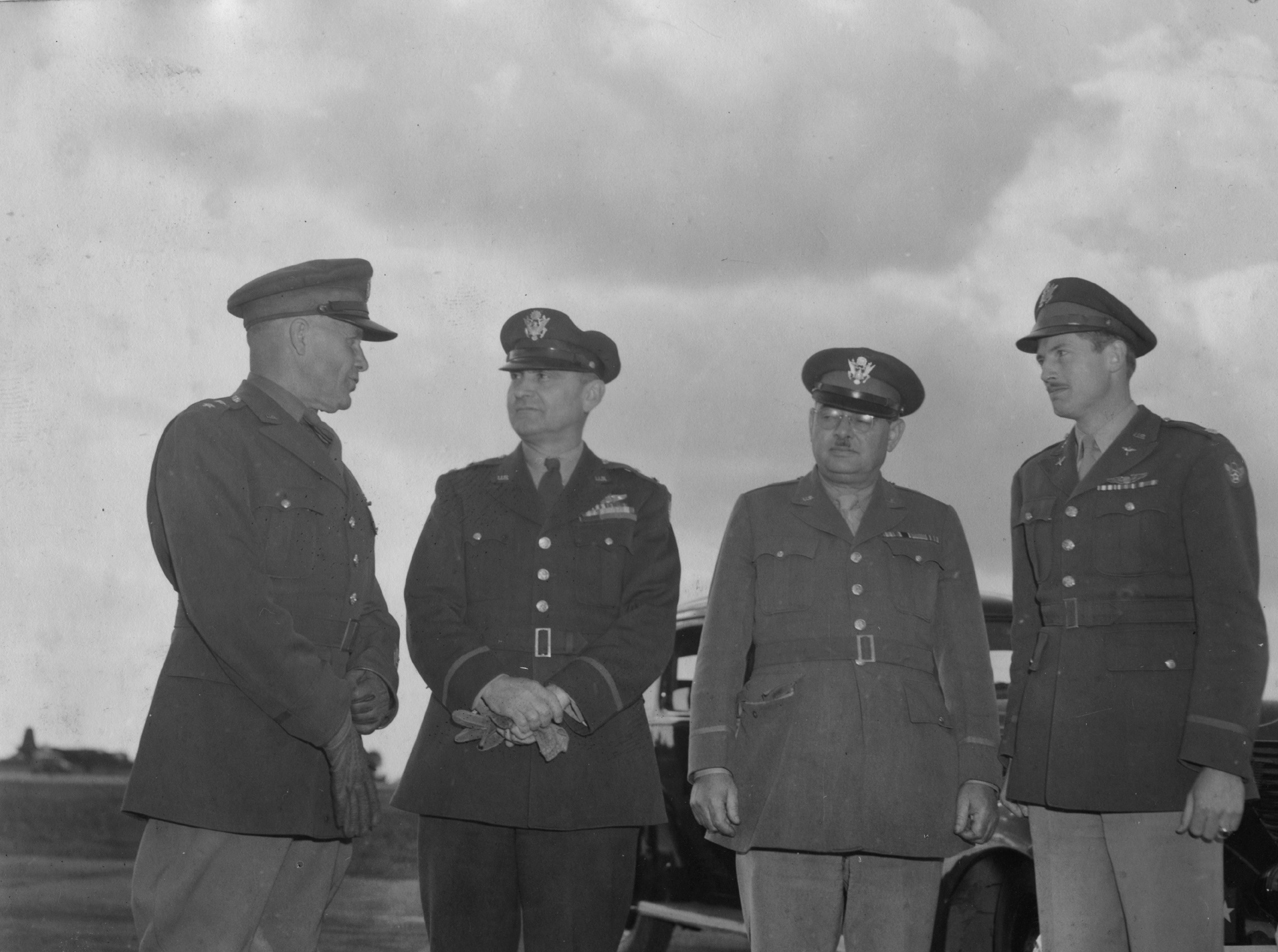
[202, 525]
[1025, 623]
[620, 664]
[450, 655]
[1232, 655]
[725, 641]
[376, 647]
[963, 659]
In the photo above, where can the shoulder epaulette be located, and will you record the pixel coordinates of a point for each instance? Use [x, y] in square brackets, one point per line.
[479, 464]
[217, 403]
[779, 482]
[610, 464]
[1194, 428]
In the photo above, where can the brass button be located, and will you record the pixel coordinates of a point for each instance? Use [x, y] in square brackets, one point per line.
[1068, 581]
[544, 542]
[856, 556]
[780, 553]
[1068, 545]
[285, 503]
[918, 558]
[543, 606]
[543, 574]
[1071, 511]
[477, 536]
[1129, 506]
[355, 558]
[859, 624]
[858, 588]
[608, 540]
[235, 399]
[1170, 662]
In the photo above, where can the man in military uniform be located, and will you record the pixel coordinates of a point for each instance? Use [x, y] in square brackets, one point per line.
[1139, 647]
[251, 769]
[843, 718]
[540, 600]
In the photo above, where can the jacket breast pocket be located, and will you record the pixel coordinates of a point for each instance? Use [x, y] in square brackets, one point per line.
[1131, 534]
[785, 574]
[1035, 522]
[600, 551]
[926, 704]
[292, 520]
[489, 562]
[915, 569]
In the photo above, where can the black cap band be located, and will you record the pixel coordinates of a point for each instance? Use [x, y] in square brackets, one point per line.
[556, 356]
[857, 401]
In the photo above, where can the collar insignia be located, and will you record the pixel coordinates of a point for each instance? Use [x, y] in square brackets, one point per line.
[859, 370]
[1129, 449]
[1046, 297]
[535, 325]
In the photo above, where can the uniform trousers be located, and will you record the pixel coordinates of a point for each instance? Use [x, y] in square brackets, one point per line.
[803, 902]
[567, 890]
[200, 890]
[1114, 882]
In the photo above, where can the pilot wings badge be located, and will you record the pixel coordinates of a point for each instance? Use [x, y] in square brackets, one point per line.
[859, 370]
[535, 325]
[1045, 298]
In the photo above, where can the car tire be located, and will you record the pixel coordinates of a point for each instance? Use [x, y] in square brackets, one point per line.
[993, 908]
[647, 935]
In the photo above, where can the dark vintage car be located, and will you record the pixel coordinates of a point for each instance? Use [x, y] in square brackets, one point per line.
[987, 899]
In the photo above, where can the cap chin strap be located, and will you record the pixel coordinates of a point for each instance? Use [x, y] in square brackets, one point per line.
[338, 310]
[857, 401]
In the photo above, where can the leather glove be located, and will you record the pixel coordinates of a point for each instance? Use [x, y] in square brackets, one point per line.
[370, 700]
[356, 807]
[491, 729]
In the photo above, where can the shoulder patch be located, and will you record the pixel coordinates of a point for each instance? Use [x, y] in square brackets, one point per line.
[1235, 471]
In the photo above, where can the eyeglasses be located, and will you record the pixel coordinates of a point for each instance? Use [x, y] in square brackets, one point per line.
[830, 419]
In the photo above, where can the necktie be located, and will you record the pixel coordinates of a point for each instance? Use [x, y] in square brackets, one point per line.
[326, 434]
[551, 485]
[1091, 453]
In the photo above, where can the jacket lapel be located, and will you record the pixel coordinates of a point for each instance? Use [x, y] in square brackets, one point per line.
[297, 438]
[886, 510]
[513, 487]
[589, 484]
[1138, 439]
[1061, 466]
[811, 504]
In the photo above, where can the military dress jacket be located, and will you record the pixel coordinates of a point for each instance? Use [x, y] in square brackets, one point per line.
[1139, 650]
[269, 543]
[844, 680]
[584, 599]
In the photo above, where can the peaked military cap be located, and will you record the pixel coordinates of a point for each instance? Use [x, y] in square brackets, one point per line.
[544, 339]
[863, 381]
[1076, 306]
[334, 287]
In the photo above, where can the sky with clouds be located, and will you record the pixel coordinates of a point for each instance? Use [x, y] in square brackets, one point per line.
[722, 187]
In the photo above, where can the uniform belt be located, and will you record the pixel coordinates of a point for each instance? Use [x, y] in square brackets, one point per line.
[539, 642]
[1083, 613]
[325, 631]
[863, 649]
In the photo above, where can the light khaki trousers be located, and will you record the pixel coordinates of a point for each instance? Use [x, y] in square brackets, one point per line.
[802, 902]
[1114, 882]
[206, 891]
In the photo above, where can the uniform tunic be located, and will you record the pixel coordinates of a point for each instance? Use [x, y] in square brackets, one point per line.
[584, 599]
[269, 543]
[844, 680]
[1139, 645]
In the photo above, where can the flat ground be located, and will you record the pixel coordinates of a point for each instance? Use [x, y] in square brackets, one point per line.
[66, 858]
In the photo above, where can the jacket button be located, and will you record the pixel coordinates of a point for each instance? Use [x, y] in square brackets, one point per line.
[859, 624]
[543, 574]
[1071, 511]
[355, 558]
[1068, 545]
[608, 540]
[543, 606]
[544, 542]
[1029, 517]
[918, 558]
[856, 556]
[1068, 581]
[858, 588]
[780, 553]
[1130, 506]
[477, 536]
[1170, 662]
[284, 504]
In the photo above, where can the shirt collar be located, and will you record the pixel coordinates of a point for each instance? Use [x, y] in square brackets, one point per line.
[289, 403]
[567, 462]
[1107, 434]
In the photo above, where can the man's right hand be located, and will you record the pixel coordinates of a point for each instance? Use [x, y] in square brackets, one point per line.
[355, 804]
[714, 802]
[1016, 809]
[529, 704]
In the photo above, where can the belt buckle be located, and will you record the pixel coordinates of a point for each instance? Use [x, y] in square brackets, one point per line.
[861, 641]
[537, 636]
[1071, 613]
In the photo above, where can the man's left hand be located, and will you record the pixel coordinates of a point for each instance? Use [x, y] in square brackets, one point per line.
[1213, 806]
[976, 813]
[370, 700]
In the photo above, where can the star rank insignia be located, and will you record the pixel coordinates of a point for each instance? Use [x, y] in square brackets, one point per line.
[1046, 297]
[535, 325]
[859, 370]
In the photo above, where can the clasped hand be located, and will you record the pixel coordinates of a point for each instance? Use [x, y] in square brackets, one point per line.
[529, 704]
[370, 700]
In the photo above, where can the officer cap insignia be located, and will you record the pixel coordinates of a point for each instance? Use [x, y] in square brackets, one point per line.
[1077, 306]
[1046, 296]
[859, 370]
[1236, 472]
[535, 324]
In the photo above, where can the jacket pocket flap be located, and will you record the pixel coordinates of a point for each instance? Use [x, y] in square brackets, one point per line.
[916, 550]
[478, 536]
[606, 533]
[296, 497]
[1038, 509]
[1150, 651]
[786, 547]
[927, 703]
[1128, 503]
